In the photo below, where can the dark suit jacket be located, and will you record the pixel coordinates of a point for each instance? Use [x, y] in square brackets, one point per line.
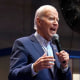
[26, 51]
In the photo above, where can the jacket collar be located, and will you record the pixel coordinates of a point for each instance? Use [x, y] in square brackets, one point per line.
[36, 44]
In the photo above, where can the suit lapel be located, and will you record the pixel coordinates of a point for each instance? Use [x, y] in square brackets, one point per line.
[36, 44]
[57, 63]
[54, 48]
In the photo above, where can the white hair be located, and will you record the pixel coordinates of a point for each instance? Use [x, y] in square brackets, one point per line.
[40, 11]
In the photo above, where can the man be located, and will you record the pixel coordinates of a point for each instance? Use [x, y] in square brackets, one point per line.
[35, 57]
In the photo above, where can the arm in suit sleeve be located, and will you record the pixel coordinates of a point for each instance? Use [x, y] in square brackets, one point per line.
[61, 74]
[64, 75]
[19, 66]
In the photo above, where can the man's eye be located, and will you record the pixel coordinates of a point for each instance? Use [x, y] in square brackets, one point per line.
[51, 19]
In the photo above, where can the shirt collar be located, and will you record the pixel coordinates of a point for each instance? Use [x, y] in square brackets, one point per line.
[41, 40]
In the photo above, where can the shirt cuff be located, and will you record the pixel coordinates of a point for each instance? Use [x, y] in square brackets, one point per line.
[64, 70]
[33, 72]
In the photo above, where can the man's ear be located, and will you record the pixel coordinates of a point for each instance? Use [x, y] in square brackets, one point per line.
[38, 21]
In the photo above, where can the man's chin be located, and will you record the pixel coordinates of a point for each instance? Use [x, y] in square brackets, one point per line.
[53, 34]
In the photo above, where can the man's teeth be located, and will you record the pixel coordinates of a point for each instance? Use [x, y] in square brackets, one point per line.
[52, 29]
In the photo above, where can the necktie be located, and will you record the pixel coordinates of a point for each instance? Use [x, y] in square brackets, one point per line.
[49, 49]
[50, 53]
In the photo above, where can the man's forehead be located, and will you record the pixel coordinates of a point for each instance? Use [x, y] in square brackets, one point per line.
[50, 12]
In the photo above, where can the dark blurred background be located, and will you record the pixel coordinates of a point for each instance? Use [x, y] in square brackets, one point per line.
[16, 20]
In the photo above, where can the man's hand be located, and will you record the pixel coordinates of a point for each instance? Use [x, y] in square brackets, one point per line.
[43, 63]
[63, 56]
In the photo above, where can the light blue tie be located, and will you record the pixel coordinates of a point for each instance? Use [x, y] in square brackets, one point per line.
[49, 49]
[50, 53]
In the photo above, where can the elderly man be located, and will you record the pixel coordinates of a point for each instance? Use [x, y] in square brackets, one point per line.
[35, 57]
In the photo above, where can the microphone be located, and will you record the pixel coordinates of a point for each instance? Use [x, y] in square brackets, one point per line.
[56, 39]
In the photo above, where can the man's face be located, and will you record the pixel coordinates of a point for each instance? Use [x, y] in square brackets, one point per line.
[48, 24]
